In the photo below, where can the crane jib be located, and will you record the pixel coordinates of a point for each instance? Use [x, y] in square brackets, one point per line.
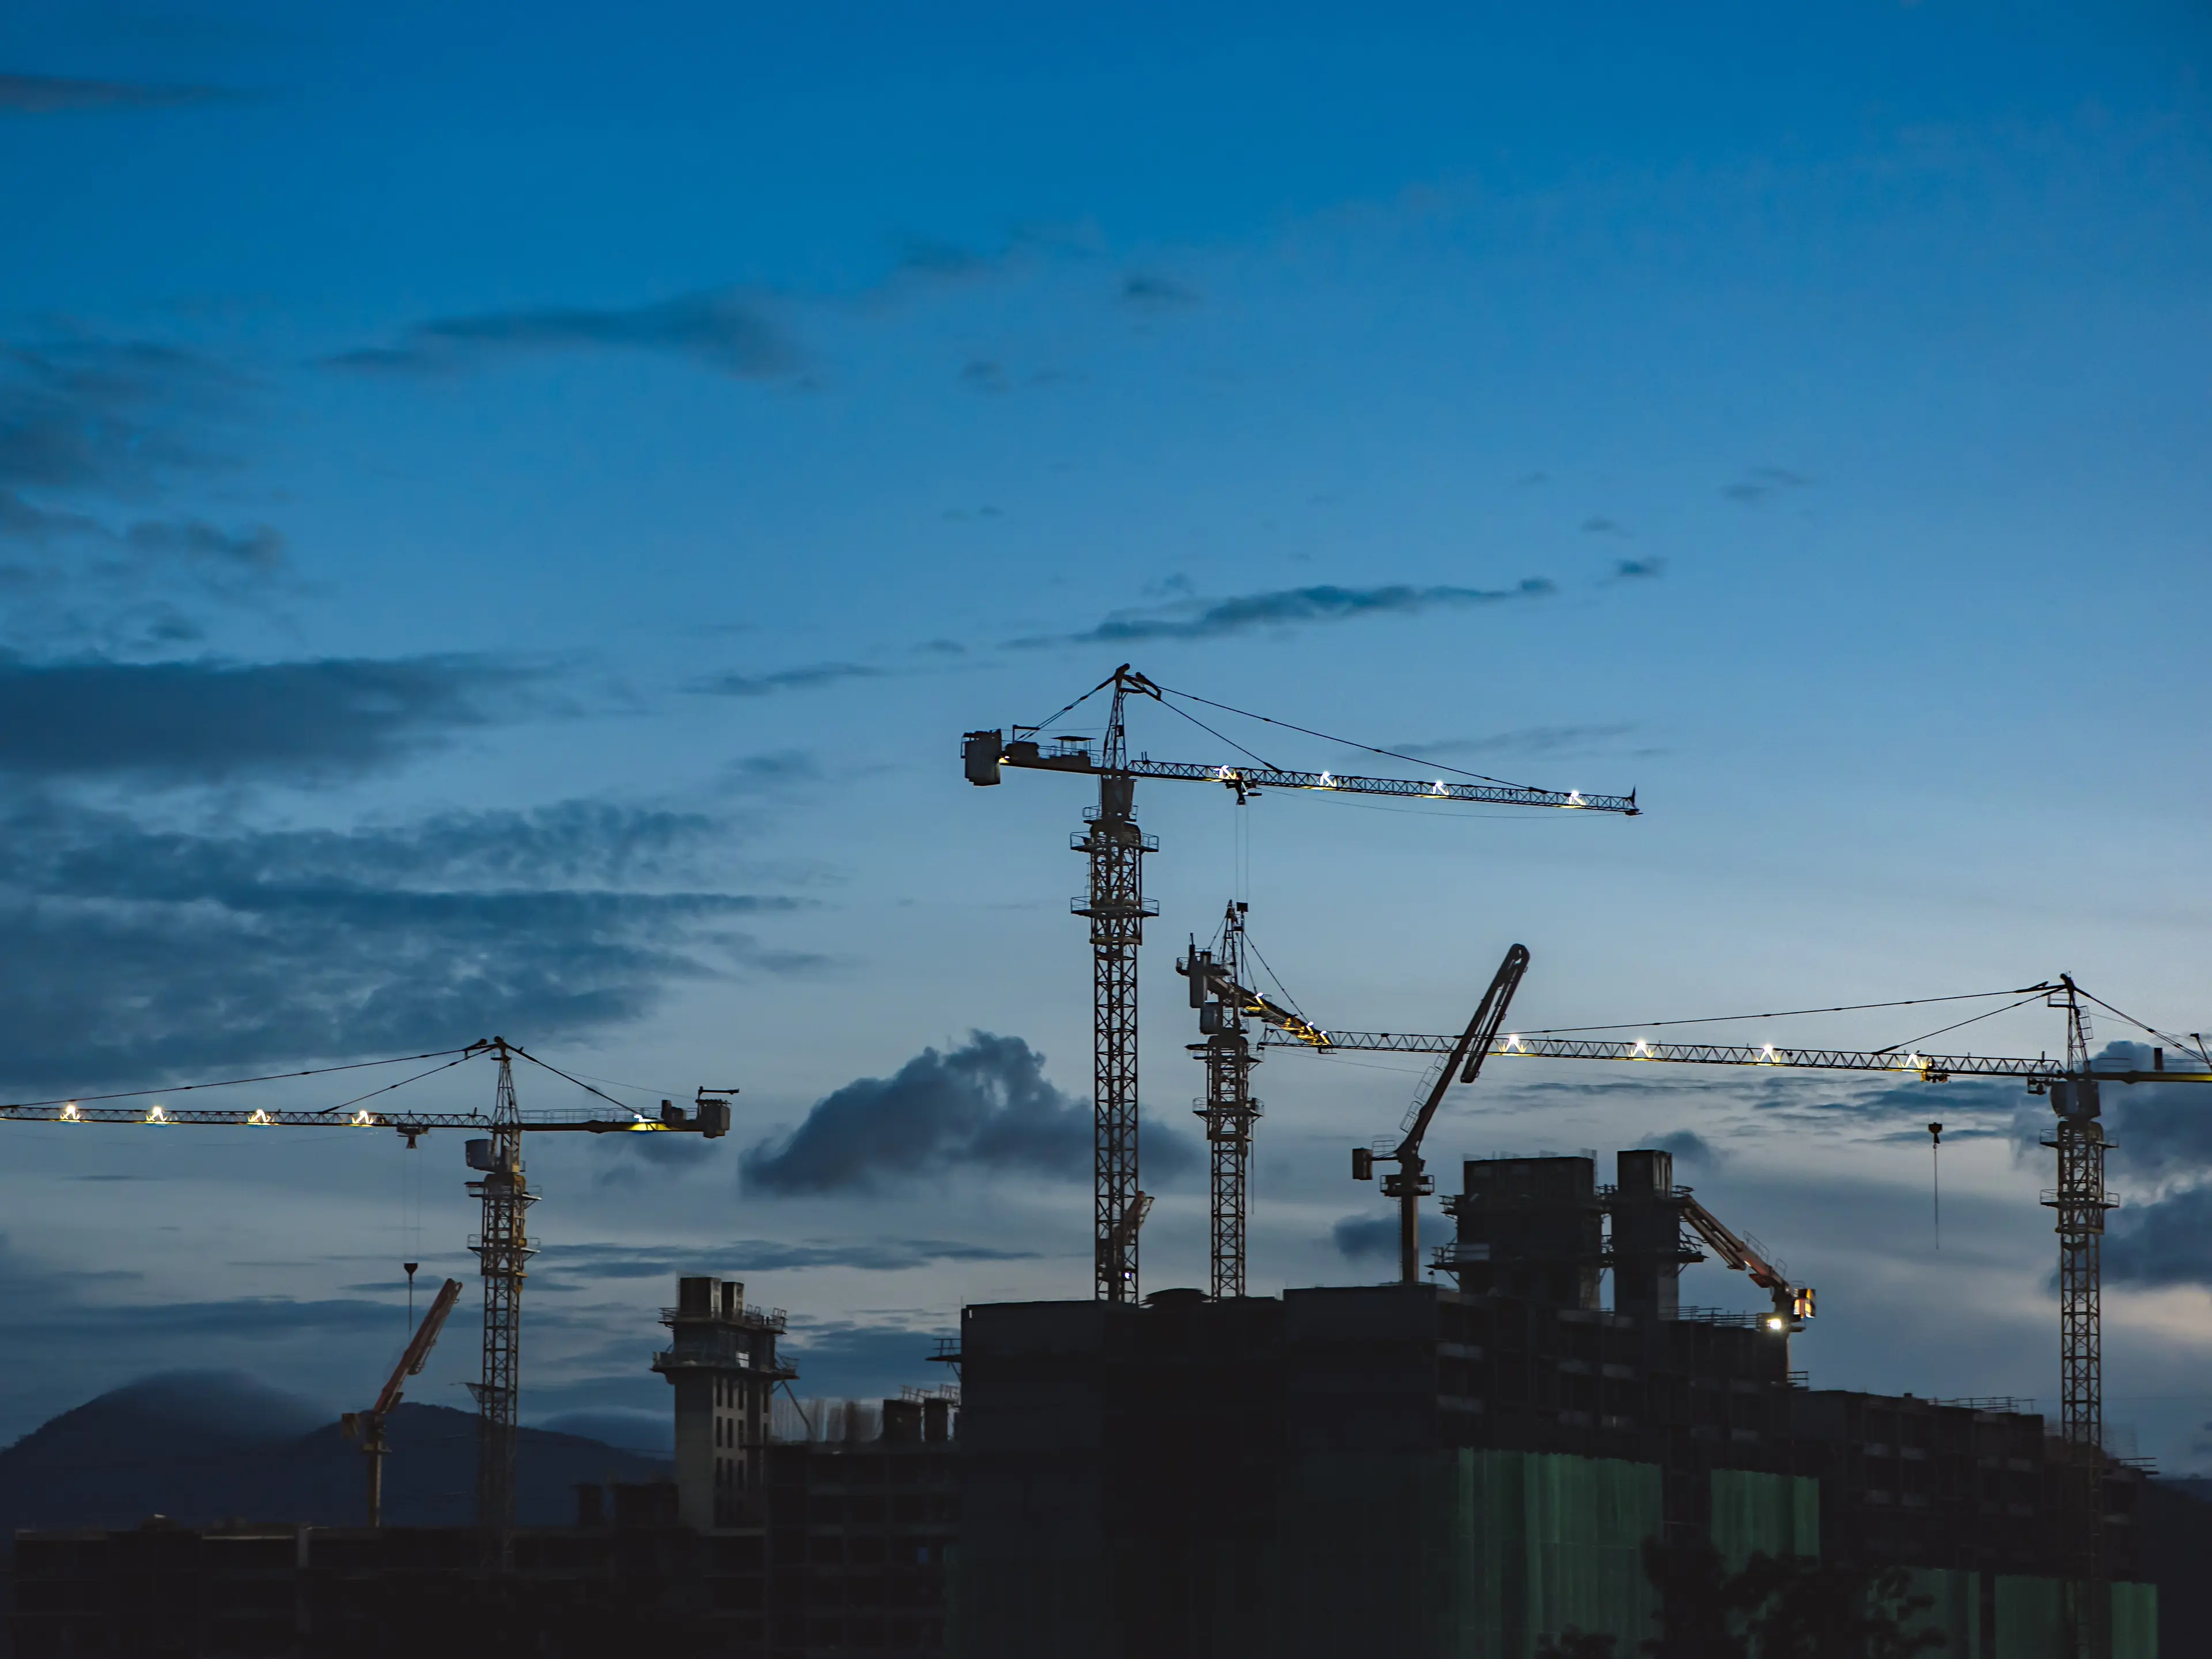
[1028, 755]
[1932, 1067]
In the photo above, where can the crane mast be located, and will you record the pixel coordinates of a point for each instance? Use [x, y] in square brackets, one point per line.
[1229, 1109]
[501, 1248]
[1116, 908]
[2081, 1201]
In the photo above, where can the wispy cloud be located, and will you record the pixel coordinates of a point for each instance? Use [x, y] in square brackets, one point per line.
[1527, 741]
[729, 330]
[1638, 570]
[806, 679]
[144, 950]
[1763, 482]
[756, 1255]
[51, 94]
[1207, 619]
[209, 720]
[1148, 291]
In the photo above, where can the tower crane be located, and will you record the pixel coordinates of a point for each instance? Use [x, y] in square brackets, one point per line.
[1116, 908]
[501, 1245]
[1224, 1004]
[367, 1426]
[2081, 1201]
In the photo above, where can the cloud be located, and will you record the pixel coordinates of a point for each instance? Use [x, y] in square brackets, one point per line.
[1632, 570]
[1285, 607]
[83, 412]
[139, 951]
[724, 330]
[209, 720]
[48, 95]
[1688, 1147]
[1361, 1237]
[986, 1105]
[756, 1255]
[1601, 527]
[2166, 1242]
[734, 684]
[1761, 481]
[1152, 293]
[1530, 741]
[851, 1360]
[982, 375]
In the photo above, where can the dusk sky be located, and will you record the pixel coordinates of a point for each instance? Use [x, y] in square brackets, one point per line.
[506, 512]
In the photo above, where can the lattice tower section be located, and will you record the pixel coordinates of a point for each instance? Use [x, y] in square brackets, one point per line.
[501, 1248]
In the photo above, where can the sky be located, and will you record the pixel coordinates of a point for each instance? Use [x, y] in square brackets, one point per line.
[506, 514]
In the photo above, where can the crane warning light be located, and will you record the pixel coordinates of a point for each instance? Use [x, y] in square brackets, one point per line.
[260, 1117]
[361, 1120]
[155, 1115]
[1767, 1055]
[1800, 1304]
[1643, 1048]
[1575, 797]
[1776, 1323]
[71, 1115]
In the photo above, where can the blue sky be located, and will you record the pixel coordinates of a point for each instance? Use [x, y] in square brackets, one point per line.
[505, 515]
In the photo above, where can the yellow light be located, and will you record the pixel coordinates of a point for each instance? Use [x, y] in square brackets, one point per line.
[1575, 797]
[1513, 1044]
[1767, 1055]
[71, 1115]
[1326, 782]
[260, 1117]
[1774, 1321]
[155, 1115]
[1643, 1047]
[361, 1120]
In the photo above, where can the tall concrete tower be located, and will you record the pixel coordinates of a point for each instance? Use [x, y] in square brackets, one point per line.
[723, 1364]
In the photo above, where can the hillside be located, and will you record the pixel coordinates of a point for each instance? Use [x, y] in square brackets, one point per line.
[207, 1447]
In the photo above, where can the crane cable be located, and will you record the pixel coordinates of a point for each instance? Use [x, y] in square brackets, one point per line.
[226, 1083]
[1365, 748]
[1786, 1013]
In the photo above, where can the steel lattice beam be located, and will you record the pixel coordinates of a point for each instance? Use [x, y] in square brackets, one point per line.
[502, 1248]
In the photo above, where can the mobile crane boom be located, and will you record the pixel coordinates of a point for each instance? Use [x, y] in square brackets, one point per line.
[367, 1426]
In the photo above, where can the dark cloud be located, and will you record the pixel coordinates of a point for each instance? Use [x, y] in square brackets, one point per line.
[755, 1255]
[1361, 1237]
[1290, 606]
[1143, 292]
[211, 720]
[134, 952]
[2166, 1242]
[1761, 481]
[1688, 1147]
[734, 684]
[49, 94]
[1633, 570]
[987, 1105]
[724, 330]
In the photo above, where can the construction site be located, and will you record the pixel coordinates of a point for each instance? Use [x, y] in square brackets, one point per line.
[1523, 1444]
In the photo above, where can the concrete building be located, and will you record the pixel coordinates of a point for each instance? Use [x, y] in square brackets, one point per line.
[721, 1362]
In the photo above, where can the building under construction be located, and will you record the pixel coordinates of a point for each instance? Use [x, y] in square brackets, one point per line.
[1467, 1472]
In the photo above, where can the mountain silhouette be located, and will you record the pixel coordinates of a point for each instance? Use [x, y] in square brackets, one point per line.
[203, 1447]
